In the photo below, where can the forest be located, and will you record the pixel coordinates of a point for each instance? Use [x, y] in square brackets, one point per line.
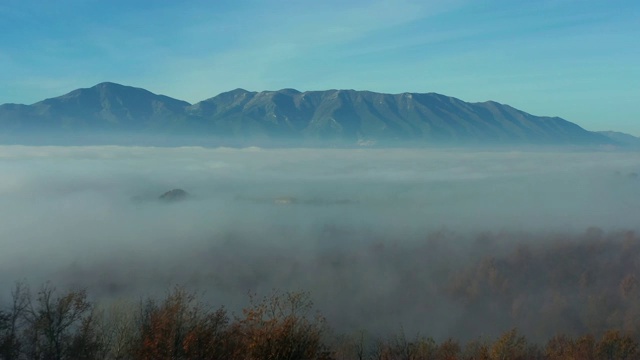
[558, 296]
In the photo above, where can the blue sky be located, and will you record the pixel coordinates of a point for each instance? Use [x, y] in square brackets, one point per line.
[579, 60]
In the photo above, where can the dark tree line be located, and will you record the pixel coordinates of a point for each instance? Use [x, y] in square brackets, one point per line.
[52, 325]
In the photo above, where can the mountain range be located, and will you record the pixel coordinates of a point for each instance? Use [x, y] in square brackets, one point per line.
[110, 112]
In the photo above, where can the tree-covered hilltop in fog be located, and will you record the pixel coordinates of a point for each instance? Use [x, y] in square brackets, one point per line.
[347, 117]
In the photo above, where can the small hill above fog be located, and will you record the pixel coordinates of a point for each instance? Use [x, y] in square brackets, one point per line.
[315, 117]
[174, 195]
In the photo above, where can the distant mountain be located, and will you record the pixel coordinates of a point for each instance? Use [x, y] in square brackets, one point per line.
[318, 117]
[104, 106]
[622, 138]
[368, 116]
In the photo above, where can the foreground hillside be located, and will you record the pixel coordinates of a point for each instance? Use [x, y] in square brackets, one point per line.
[570, 297]
[107, 111]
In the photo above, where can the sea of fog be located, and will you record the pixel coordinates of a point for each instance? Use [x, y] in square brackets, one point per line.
[294, 219]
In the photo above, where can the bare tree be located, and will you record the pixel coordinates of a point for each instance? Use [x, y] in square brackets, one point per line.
[60, 327]
[10, 322]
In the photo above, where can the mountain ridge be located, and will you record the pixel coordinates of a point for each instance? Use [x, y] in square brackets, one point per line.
[627, 140]
[320, 116]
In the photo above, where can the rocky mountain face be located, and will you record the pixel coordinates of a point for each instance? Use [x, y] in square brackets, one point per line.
[346, 116]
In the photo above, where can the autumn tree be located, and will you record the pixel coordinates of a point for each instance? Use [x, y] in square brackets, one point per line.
[510, 346]
[615, 345]
[281, 326]
[10, 321]
[448, 350]
[180, 327]
[476, 350]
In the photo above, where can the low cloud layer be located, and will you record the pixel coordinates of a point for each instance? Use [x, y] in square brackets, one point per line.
[353, 227]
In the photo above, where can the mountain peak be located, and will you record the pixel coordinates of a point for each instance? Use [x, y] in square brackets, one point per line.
[104, 89]
[289, 91]
[237, 91]
[110, 84]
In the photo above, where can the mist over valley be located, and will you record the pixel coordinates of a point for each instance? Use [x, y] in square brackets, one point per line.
[381, 238]
[326, 180]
